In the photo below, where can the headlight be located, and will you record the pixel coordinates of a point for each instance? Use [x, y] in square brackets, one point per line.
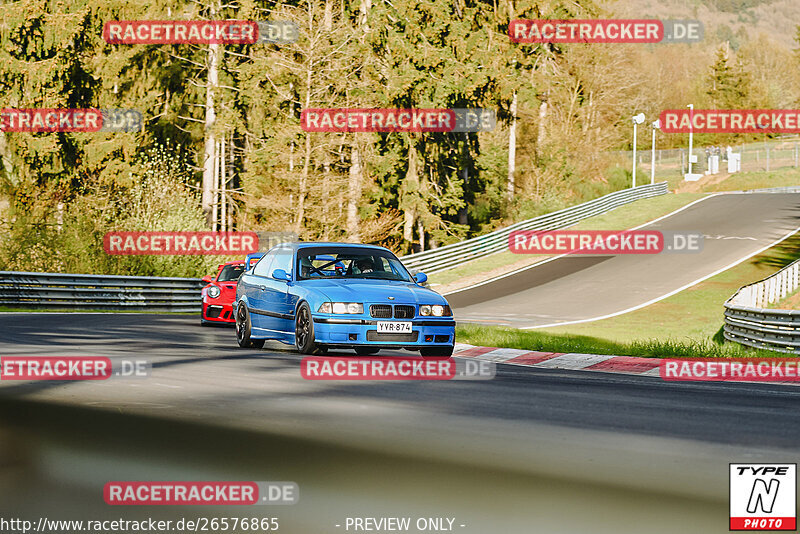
[437, 310]
[341, 307]
[213, 292]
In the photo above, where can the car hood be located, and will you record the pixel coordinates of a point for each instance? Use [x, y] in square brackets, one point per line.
[227, 286]
[375, 291]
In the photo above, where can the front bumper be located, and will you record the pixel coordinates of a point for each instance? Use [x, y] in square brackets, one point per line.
[218, 312]
[346, 331]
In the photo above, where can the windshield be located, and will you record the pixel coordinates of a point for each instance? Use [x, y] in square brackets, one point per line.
[230, 273]
[350, 262]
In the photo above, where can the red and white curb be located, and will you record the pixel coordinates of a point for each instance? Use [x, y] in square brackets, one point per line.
[629, 365]
[558, 360]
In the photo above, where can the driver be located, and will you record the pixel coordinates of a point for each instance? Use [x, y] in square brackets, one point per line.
[364, 265]
[305, 267]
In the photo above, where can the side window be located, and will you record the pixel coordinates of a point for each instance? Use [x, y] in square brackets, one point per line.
[263, 266]
[283, 260]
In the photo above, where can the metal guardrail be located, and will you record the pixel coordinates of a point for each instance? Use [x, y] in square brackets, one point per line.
[448, 256]
[787, 189]
[151, 293]
[749, 323]
[99, 292]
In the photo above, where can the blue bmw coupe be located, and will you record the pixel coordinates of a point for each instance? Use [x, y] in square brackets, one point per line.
[339, 295]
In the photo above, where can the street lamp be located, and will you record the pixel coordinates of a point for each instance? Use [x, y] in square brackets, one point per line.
[637, 120]
[656, 125]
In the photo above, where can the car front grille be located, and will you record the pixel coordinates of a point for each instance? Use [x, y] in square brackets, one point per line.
[403, 312]
[381, 311]
[373, 335]
[384, 311]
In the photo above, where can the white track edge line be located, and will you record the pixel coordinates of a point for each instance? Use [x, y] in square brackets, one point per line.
[662, 297]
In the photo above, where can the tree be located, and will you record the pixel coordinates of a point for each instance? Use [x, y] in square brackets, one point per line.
[729, 86]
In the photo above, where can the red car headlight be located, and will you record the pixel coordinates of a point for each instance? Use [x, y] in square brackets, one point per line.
[213, 292]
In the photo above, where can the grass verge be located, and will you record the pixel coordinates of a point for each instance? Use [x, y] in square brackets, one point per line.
[757, 180]
[535, 340]
[790, 302]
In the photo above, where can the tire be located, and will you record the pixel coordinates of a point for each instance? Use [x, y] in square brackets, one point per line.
[437, 352]
[304, 331]
[366, 351]
[243, 329]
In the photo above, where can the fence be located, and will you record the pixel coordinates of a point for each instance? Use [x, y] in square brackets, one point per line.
[769, 156]
[750, 323]
[449, 256]
[98, 292]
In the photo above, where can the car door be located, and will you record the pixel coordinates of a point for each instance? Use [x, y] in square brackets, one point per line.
[277, 295]
[256, 292]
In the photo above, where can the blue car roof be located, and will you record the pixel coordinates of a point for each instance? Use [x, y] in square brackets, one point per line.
[308, 244]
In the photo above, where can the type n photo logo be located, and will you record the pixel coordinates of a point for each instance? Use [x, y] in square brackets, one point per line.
[762, 497]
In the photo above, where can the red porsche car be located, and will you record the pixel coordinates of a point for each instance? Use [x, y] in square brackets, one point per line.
[219, 294]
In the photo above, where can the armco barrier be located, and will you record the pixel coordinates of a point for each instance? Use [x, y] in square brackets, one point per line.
[99, 292]
[448, 256]
[749, 323]
[150, 293]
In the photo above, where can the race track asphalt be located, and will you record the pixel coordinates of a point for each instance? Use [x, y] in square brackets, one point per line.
[580, 288]
[626, 431]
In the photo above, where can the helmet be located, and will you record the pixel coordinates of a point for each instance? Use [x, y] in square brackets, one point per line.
[305, 267]
[365, 264]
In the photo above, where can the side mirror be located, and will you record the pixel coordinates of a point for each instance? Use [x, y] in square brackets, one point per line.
[280, 274]
[421, 278]
[208, 279]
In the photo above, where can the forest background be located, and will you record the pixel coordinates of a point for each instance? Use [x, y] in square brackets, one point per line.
[222, 148]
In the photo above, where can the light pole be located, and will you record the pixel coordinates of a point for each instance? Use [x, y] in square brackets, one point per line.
[691, 128]
[637, 120]
[656, 126]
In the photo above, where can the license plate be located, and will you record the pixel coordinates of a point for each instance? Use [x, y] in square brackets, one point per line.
[394, 327]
